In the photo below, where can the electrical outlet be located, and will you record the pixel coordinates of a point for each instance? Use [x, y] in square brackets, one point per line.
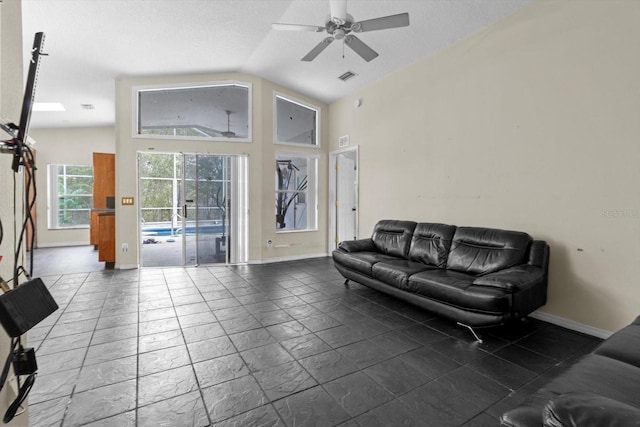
[269, 243]
[125, 247]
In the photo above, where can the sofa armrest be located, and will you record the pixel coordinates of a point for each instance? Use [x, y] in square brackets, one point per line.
[514, 278]
[539, 254]
[358, 245]
[589, 410]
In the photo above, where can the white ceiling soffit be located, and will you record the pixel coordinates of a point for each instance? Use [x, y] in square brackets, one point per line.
[92, 42]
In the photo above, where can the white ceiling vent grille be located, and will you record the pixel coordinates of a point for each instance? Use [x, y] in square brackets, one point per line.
[346, 76]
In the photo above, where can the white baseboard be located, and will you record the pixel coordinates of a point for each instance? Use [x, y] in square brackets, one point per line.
[288, 258]
[571, 324]
[60, 244]
[252, 262]
[126, 266]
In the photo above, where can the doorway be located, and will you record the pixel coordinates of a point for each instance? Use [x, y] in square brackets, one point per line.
[192, 209]
[343, 182]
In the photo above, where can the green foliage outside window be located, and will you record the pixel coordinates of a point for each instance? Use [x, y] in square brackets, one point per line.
[161, 183]
[74, 195]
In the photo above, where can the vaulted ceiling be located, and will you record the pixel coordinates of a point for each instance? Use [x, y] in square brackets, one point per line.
[92, 42]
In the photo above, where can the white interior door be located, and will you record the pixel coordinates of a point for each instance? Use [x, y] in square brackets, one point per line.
[346, 196]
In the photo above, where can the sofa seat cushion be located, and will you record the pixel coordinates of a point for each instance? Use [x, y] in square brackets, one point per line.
[600, 375]
[457, 289]
[513, 279]
[396, 272]
[624, 345]
[362, 262]
[594, 373]
[589, 410]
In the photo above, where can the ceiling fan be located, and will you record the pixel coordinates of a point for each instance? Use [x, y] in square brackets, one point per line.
[340, 25]
[228, 133]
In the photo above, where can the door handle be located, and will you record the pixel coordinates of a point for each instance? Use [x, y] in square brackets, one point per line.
[184, 207]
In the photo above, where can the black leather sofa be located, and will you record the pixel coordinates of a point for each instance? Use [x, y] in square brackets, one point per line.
[600, 389]
[475, 276]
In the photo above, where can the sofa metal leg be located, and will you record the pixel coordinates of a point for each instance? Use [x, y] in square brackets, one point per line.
[346, 282]
[472, 331]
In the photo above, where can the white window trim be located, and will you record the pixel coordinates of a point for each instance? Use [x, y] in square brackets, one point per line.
[135, 110]
[289, 98]
[52, 200]
[312, 214]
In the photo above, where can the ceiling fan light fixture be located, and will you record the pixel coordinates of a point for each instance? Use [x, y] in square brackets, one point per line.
[228, 133]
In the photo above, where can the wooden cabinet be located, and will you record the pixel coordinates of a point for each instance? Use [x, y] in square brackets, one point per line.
[94, 232]
[104, 179]
[107, 240]
[102, 233]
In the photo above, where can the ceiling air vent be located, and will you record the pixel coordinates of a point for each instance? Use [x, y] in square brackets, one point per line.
[346, 76]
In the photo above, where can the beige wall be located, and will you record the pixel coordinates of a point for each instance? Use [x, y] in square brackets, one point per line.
[261, 158]
[11, 90]
[531, 124]
[70, 146]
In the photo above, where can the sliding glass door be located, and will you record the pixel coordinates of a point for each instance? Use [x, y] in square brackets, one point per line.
[188, 213]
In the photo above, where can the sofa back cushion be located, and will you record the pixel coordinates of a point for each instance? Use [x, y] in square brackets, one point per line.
[430, 243]
[477, 250]
[393, 237]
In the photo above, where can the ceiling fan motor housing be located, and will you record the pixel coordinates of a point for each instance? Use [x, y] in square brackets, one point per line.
[339, 28]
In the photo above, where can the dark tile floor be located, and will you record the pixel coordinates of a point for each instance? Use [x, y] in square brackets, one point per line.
[65, 260]
[273, 345]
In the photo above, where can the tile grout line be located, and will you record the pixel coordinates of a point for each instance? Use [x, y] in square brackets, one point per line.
[191, 364]
[73, 390]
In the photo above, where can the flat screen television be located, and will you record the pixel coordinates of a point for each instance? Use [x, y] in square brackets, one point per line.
[19, 133]
[27, 101]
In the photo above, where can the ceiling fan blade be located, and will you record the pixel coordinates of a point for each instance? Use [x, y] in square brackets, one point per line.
[338, 11]
[297, 27]
[316, 50]
[392, 21]
[360, 48]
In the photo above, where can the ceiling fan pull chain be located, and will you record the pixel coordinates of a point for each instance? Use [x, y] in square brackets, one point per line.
[342, 48]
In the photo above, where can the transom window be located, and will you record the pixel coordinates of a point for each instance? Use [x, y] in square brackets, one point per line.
[296, 122]
[70, 196]
[219, 111]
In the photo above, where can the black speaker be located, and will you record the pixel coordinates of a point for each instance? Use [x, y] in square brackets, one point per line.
[25, 306]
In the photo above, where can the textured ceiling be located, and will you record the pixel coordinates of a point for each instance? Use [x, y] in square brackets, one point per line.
[92, 42]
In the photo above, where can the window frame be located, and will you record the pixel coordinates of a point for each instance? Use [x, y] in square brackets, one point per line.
[311, 192]
[301, 103]
[135, 110]
[53, 218]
